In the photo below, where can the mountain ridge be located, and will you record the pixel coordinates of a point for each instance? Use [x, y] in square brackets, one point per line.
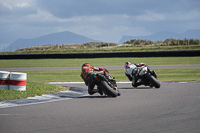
[67, 37]
[64, 37]
[161, 36]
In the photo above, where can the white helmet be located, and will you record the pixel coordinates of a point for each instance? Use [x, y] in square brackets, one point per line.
[127, 65]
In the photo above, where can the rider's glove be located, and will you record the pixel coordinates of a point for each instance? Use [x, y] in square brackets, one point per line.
[100, 76]
[142, 64]
[101, 69]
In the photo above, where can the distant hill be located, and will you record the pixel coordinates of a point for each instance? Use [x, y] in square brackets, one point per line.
[50, 39]
[161, 36]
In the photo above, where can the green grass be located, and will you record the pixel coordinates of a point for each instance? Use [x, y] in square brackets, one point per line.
[33, 89]
[74, 75]
[97, 62]
[36, 79]
[165, 75]
[54, 76]
[122, 48]
[174, 75]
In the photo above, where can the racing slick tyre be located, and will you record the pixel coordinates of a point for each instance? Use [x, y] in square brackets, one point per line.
[107, 89]
[153, 80]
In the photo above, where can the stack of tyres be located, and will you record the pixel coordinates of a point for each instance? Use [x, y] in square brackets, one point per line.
[13, 81]
[4, 80]
[17, 81]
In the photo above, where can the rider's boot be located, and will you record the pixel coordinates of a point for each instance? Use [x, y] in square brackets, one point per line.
[99, 91]
[91, 92]
[119, 94]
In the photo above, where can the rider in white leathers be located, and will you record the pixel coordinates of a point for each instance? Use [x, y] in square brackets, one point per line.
[132, 72]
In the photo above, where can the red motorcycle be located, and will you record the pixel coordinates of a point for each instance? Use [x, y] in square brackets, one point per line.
[107, 85]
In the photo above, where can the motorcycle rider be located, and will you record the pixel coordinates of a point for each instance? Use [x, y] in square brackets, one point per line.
[132, 71]
[89, 77]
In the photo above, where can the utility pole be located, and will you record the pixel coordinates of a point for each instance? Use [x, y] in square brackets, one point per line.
[178, 43]
[159, 43]
[199, 41]
[4, 49]
[168, 44]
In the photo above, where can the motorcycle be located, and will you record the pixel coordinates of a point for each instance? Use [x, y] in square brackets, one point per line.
[107, 85]
[147, 77]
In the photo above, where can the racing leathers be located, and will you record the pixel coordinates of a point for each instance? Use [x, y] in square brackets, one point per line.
[89, 77]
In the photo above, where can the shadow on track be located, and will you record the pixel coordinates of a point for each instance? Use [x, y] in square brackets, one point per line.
[91, 96]
[133, 88]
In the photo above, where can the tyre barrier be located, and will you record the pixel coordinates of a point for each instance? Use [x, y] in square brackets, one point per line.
[178, 53]
[17, 81]
[4, 78]
[14, 81]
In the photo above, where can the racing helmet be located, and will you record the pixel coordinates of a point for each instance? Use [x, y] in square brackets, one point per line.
[127, 65]
[85, 65]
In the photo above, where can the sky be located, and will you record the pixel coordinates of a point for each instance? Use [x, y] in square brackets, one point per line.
[104, 20]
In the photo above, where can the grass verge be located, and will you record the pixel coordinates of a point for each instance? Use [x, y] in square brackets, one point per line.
[36, 79]
[33, 89]
[122, 48]
[35, 86]
[97, 62]
[164, 75]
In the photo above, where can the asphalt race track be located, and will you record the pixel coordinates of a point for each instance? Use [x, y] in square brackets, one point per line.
[173, 108]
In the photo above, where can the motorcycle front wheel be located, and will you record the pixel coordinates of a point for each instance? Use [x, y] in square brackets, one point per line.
[153, 80]
[107, 89]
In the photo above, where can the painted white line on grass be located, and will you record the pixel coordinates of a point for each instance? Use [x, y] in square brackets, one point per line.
[65, 83]
[63, 95]
[79, 83]
[127, 82]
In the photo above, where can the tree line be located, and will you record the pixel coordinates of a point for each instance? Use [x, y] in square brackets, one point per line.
[132, 42]
[169, 41]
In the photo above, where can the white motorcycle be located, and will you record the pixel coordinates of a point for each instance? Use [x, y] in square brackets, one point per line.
[144, 76]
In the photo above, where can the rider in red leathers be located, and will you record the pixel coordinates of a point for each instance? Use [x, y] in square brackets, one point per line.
[89, 77]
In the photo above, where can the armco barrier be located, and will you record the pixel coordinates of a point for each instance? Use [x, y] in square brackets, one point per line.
[12, 81]
[104, 55]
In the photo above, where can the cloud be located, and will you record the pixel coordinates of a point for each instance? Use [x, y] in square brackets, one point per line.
[9, 9]
[72, 8]
[106, 20]
[150, 16]
[12, 4]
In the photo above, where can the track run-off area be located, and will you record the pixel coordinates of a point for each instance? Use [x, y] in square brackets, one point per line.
[173, 108]
[107, 67]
